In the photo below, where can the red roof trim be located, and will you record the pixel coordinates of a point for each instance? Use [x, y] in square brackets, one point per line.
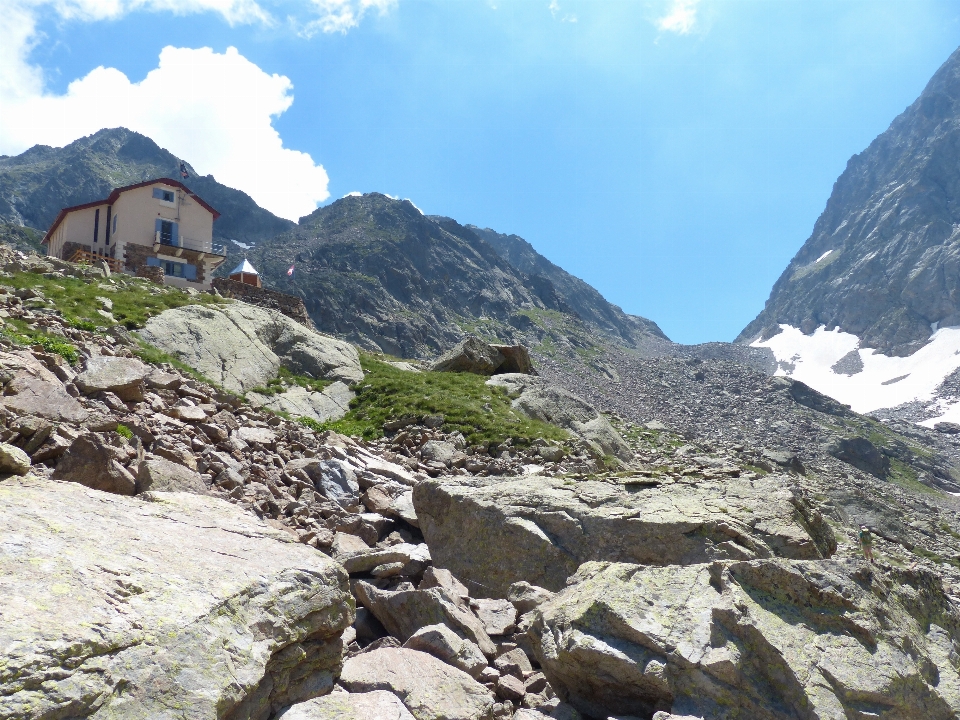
[114, 196]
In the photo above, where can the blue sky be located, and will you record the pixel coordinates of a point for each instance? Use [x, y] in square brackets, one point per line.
[675, 154]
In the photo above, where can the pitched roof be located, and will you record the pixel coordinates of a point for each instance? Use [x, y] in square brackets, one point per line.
[112, 198]
[245, 267]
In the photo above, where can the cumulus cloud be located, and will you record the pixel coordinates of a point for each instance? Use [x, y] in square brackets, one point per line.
[215, 110]
[680, 18]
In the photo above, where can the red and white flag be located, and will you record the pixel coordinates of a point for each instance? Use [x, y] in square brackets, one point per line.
[290, 271]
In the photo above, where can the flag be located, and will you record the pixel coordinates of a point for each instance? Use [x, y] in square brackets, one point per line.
[290, 271]
[183, 170]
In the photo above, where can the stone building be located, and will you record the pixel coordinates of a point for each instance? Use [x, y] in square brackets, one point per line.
[157, 223]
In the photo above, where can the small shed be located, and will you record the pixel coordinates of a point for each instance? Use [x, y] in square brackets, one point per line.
[246, 273]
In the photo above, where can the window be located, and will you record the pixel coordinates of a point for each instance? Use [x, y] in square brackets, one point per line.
[173, 269]
[166, 232]
[115, 218]
[96, 224]
[161, 194]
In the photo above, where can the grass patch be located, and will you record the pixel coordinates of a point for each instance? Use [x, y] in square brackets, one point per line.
[286, 379]
[906, 477]
[480, 412]
[124, 431]
[22, 334]
[154, 356]
[134, 300]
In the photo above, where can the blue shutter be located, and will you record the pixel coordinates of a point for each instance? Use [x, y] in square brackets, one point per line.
[175, 236]
[158, 193]
[154, 262]
[190, 272]
[156, 228]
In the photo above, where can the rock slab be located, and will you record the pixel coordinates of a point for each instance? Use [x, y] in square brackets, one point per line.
[774, 639]
[116, 607]
[240, 346]
[493, 532]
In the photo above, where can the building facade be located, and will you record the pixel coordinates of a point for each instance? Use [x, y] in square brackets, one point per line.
[157, 223]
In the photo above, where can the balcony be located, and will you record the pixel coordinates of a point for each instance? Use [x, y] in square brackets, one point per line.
[204, 247]
[85, 257]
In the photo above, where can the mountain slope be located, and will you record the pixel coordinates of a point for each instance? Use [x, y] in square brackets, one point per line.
[378, 272]
[883, 261]
[37, 183]
[578, 295]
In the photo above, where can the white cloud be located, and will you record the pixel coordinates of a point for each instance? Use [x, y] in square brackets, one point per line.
[341, 15]
[214, 110]
[681, 17]
[554, 8]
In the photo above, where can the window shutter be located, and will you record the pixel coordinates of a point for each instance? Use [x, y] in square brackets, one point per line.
[190, 272]
[153, 262]
[175, 235]
[158, 193]
[156, 227]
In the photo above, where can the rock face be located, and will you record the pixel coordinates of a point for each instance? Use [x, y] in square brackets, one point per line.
[131, 608]
[772, 639]
[241, 346]
[121, 376]
[541, 400]
[330, 404]
[429, 688]
[882, 258]
[493, 532]
[376, 705]
[29, 388]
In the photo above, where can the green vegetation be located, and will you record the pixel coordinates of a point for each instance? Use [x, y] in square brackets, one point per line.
[287, 379]
[22, 334]
[480, 412]
[125, 431]
[134, 300]
[149, 354]
[906, 477]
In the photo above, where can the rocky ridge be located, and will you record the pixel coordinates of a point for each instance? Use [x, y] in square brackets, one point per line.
[881, 261]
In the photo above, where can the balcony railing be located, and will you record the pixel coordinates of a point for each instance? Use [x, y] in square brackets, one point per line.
[203, 246]
[85, 257]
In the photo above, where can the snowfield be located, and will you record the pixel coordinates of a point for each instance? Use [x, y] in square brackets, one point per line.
[883, 381]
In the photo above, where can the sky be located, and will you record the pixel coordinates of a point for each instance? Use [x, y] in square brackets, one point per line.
[675, 154]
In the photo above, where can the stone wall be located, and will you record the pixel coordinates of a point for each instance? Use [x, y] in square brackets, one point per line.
[153, 273]
[135, 257]
[70, 248]
[289, 305]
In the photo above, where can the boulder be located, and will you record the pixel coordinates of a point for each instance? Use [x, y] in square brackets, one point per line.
[429, 688]
[158, 474]
[538, 399]
[330, 404]
[526, 597]
[440, 451]
[116, 607]
[471, 355]
[498, 616]
[122, 376]
[376, 705]
[98, 461]
[493, 532]
[516, 359]
[13, 460]
[774, 639]
[241, 346]
[333, 479]
[29, 388]
[444, 644]
[862, 454]
[403, 612]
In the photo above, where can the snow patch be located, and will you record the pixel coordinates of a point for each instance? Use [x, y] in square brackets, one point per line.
[822, 256]
[884, 381]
